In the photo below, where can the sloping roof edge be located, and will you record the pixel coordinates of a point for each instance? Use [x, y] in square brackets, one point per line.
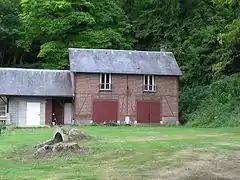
[123, 62]
[35, 82]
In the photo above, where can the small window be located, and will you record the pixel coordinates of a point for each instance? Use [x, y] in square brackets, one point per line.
[3, 107]
[149, 83]
[105, 82]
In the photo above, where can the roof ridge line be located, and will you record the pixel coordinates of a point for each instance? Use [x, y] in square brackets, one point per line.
[86, 49]
[26, 69]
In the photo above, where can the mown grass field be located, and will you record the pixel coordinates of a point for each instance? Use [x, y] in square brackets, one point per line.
[124, 153]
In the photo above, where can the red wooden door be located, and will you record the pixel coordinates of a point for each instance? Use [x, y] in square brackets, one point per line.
[143, 113]
[154, 111]
[105, 110]
[148, 112]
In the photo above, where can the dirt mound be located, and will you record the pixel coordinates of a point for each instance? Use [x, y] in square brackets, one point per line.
[60, 148]
[77, 135]
[65, 140]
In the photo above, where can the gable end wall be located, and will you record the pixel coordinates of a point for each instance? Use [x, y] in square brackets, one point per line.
[127, 89]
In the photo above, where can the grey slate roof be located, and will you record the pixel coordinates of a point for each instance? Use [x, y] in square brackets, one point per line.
[33, 82]
[123, 62]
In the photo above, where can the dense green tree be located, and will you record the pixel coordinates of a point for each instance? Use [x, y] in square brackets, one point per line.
[189, 28]
[8, 32]
[59, 24]
[230, 39]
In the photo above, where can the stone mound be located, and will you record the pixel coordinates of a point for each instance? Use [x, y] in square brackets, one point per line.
[64, 141]
[59, 148]
[77, 135]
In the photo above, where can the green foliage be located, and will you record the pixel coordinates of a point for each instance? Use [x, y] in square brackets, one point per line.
[54, 54]
[229, 38]
[221, 106]
[9, 29]
[204, 35]
[60, 24]
[2, 127]
[156, 24]
[189, 99]
[189, 28]
[51, 23]
[8, 19]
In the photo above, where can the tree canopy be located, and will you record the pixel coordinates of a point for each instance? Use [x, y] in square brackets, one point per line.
[59, 24]
[204, 35]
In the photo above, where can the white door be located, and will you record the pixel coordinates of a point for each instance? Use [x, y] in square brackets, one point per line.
[33, 114]
[67, 113]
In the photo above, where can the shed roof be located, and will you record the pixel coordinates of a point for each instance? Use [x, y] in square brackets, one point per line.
[123, 62]
[35, 82]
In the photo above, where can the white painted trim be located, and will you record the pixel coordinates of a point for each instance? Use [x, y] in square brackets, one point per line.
[144, 81]
[110, 78]
[105, 80]
[150, 88]
[100, 79]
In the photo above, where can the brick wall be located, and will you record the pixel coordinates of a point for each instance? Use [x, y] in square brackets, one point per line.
[127, 89]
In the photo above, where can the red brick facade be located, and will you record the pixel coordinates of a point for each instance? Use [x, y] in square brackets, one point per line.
[127, 89]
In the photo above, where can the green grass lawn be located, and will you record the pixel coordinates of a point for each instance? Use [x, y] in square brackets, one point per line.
[126, 153]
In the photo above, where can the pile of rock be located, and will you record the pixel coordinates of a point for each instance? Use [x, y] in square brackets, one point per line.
[76, 135]
[64, 141]
[58, 148]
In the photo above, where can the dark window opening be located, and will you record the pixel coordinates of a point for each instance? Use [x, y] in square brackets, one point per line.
[149, 83]
[105, 82]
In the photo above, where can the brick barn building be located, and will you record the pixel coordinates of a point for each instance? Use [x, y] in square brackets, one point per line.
[120, 84]
[100, 85]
